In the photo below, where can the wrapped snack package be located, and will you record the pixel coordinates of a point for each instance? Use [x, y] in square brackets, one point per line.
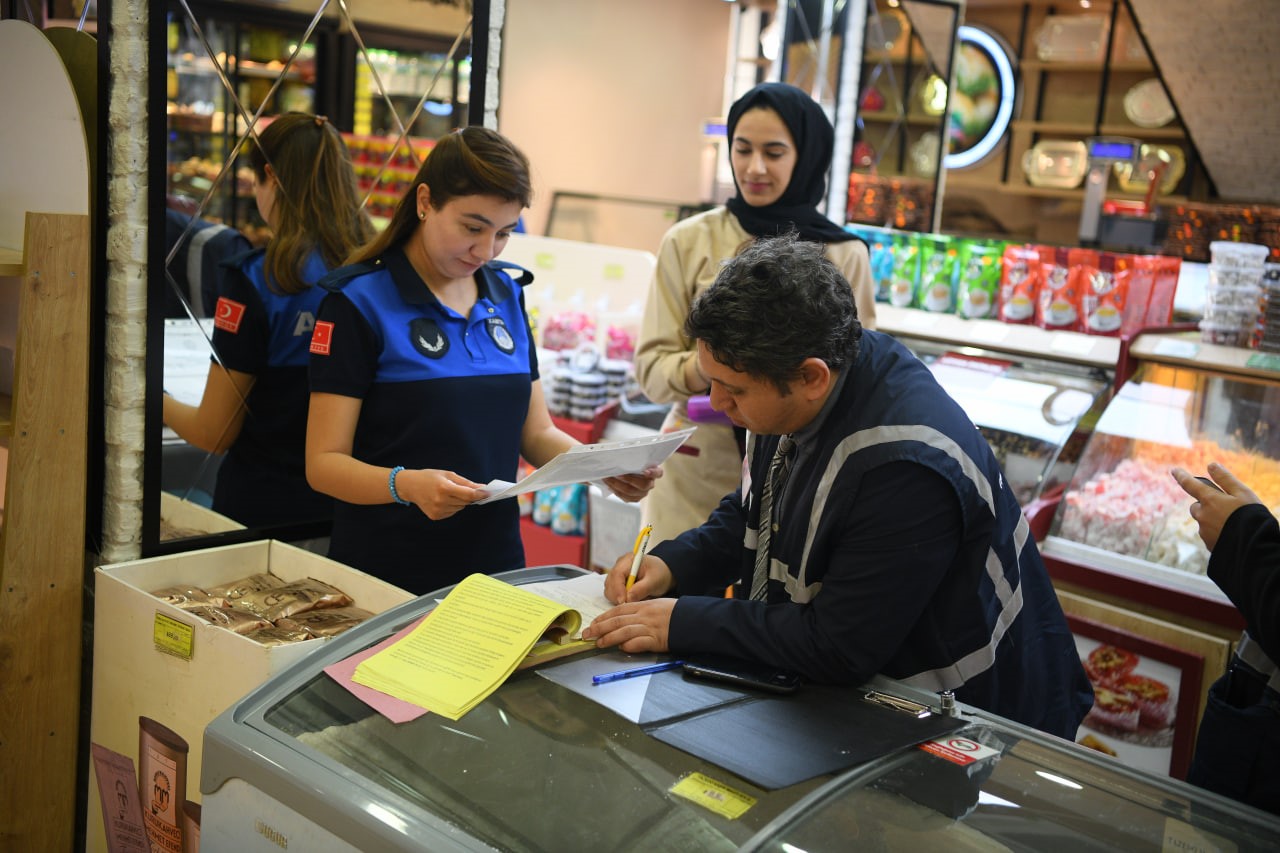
[231, 618]
[1104, 293]
[324, 623]
[880, 248]
[274, 635]
[938, 270]
[188, 596]
[232, 592]
[906, 271]
[978, 286]
[1059, 306]
[295, 597]
[568, 330]
[1020, 275]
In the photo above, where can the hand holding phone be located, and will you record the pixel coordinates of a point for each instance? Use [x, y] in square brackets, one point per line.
[743, 674]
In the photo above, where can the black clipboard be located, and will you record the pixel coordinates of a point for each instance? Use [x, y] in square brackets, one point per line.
[777, 741]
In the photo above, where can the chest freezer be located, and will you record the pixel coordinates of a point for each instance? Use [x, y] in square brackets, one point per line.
[302, 764]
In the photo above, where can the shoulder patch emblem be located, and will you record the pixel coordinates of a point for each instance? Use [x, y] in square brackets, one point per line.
[500, 334]
[427, 338]
[228, 315]
[322, 337]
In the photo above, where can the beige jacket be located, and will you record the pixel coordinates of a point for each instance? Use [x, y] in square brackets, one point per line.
[688, 260]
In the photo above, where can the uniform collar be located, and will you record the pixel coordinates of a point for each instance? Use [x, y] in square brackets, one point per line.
[414, 291]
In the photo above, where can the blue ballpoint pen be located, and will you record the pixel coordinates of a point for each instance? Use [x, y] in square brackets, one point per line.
[648, 669]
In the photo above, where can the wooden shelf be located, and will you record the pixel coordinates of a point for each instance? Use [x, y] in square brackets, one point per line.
[1142, 132]
[1018, 188]
[11, 262]
[1072, 128]
[911, 119]
[6, 416]
[1033, 65]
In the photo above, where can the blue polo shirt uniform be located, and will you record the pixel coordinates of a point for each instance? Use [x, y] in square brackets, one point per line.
[263, 481]
[438, 390]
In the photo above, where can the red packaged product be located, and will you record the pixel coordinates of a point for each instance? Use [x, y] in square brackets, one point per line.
[1104, 294]
[1059, 306]
[1142, 276]
[1019, 284]
[1163, 287]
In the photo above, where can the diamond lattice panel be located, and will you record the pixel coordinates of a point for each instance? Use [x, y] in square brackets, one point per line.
[1221, 67]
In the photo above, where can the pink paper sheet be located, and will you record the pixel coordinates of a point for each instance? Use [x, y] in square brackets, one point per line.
[395, 710]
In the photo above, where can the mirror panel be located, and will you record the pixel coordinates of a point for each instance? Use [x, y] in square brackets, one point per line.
[890, 109]
[229, 70]
[902, 113]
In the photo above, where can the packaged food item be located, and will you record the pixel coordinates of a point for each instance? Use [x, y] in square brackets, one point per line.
[906, 271]
[232, 592]
[1104, 292]
[162, 783]
[978, 282]
[1021, 272]
[938, 271]
[295, 597]
[1059, 306]
[880, 248]
[324, 623]
[231, 618]
[187, 596]
[273, 635]
[1163, 286]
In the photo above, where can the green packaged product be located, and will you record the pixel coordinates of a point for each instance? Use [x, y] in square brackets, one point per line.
[938, 269]
[880, 249]
[906, 271]
[978, 285]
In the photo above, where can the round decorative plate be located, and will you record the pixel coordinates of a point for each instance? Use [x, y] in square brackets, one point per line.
[1147, 104]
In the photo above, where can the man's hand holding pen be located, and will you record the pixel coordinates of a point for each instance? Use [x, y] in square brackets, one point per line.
[636, 624]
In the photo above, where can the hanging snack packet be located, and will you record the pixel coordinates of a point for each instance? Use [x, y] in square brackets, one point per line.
[880, 247]
[1059, 306]
[937, 274]
[979, 280]
[1104, 293]
[906, 271]
[1020, 275]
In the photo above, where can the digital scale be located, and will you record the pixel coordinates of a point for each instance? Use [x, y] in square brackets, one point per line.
[1138, 233]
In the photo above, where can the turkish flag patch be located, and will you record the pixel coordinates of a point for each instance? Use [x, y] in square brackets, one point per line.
[228, 315]
[322, 337]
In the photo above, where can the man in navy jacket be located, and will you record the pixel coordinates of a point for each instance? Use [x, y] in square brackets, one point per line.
[895, 546]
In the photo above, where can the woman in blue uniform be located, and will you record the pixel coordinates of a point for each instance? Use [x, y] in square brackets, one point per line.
[254, 406]
[424, 378]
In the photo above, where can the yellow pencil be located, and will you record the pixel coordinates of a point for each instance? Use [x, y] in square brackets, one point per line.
[642, 545]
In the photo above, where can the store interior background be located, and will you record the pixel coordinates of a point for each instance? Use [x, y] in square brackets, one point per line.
[610, 99]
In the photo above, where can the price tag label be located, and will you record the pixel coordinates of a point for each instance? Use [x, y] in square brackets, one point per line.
[544, 261]
[1176, 349]
[173, 637]
[1264, 361]
[713, 795]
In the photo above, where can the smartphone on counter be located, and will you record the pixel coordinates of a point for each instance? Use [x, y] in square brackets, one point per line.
[743, 674]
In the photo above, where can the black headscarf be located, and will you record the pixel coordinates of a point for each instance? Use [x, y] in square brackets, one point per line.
[814, 137]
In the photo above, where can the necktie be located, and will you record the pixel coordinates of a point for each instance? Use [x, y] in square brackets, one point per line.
[778, 470]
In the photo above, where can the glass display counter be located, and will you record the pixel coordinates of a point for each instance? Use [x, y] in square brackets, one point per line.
[300, 763]
[1187, 404]
[1033, 412]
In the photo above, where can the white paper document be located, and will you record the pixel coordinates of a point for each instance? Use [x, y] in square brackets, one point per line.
[588, 463]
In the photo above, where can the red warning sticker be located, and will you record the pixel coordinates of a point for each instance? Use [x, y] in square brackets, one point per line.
[959, 750]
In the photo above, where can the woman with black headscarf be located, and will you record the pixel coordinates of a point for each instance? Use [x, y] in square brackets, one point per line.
[780, 145]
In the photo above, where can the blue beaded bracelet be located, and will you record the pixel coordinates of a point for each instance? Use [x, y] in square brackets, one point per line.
[391, 486]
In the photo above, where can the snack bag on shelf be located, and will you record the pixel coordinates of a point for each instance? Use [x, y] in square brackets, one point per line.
[1020, 277]
[620, 344]
[906, 271]
[880, 246]
[938, 270]
[978, 283]
[568, 330]
[1163, 286]
[569, 511]
[1059, 305]
[1141, 271]
[1104, 291]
